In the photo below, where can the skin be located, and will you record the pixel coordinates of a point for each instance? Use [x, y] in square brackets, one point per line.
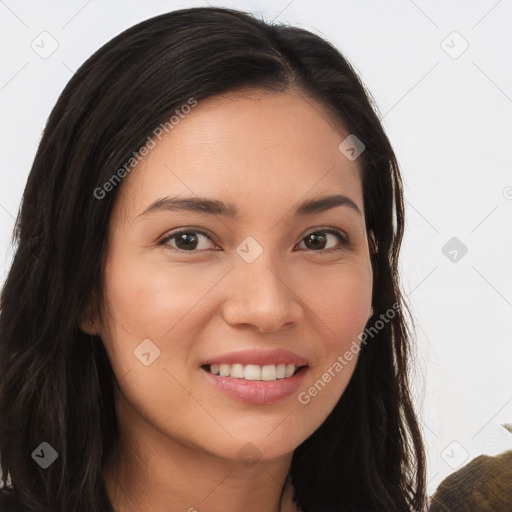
[179, 436]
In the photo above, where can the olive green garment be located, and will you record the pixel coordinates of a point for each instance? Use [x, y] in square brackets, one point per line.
[485, 484]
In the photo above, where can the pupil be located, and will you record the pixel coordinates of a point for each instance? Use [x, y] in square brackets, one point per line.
[183, 238]
[310, 239]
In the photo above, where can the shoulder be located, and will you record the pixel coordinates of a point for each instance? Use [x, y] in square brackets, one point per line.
[483, 484]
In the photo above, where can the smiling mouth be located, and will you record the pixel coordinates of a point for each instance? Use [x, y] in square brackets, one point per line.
[254, 372]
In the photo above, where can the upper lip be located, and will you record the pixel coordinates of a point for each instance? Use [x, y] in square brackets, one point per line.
[259, 357]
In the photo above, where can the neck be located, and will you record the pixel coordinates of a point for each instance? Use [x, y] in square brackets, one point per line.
[148, 471]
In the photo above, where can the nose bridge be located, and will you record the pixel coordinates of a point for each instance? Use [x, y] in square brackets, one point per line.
[260, 294]
[263, 274]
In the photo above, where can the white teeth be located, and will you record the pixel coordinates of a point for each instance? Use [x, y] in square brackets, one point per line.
[237, 371]
[290, 369]
[269, 372]
[254, 371]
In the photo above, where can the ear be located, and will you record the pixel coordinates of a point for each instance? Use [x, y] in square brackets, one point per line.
[89, 321]
[87, 326]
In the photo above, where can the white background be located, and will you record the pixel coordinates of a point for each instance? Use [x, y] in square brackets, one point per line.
[449, 120]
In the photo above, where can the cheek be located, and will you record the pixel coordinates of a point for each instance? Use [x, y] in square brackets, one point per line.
[341, 305]
[341, 301]
[153, 311]
[152, 298]
[162, 303]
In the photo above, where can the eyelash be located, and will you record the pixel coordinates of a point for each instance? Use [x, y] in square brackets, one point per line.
[341, 237]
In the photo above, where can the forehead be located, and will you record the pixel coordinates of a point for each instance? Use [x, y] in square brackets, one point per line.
[255, 148]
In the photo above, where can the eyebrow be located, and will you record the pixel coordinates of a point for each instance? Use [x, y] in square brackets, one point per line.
[214, 207]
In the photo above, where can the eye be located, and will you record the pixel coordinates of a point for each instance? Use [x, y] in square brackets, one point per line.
[317, 240]
[186, 240]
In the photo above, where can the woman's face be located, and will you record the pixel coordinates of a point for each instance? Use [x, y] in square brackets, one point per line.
[270, 285]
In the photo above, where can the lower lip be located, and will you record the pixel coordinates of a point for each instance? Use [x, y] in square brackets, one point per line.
[257, 391]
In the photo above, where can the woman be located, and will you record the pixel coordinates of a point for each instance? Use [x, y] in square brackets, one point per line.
[203, 312]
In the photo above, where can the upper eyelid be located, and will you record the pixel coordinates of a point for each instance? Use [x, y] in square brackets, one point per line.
[179, 231]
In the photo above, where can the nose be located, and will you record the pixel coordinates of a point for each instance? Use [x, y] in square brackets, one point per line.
[261, 296]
